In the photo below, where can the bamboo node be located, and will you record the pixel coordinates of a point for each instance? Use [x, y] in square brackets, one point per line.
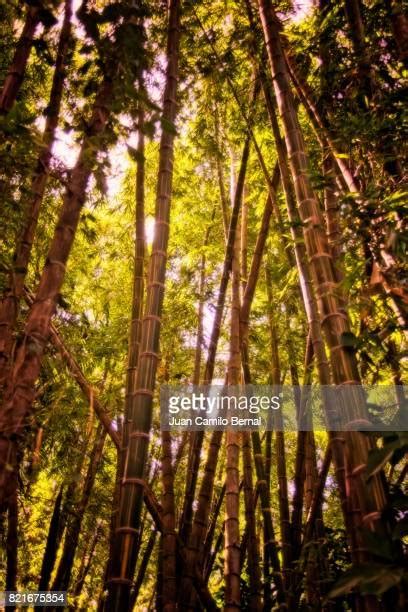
[130, 530]
[359, 469]
[372, 516]
[136, 481]
[160, 253]
[119, 581]
[351, 424]
[155, 284]
[144, 392]
[139, 434]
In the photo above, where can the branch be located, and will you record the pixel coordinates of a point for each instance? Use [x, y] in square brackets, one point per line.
[79, 376]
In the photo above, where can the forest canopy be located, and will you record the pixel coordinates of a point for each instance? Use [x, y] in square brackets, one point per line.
[203, 193]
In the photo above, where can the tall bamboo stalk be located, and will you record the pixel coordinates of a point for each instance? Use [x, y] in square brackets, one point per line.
[284, 518]
[63, 575]
[17, 69]
[255, 597]
[138, 273]
[21, 389]
[169, 527]
[53, 540]
[10, 303]
[232, 569]
[194, 545]
[131, 495]
[87, 560]
[142, 568]
[195, 438]
[334, 321]
[310, 307]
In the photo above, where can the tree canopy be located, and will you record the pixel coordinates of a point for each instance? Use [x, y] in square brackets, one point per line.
[197, 193]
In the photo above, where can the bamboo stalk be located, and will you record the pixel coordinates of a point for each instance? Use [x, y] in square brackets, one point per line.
[211, 530]
[232, 569]
[10, 303]
[17, 69]
[169, 527]
[195, 438]
[138, 274]
[334, 322]
[63, 575]
[255, 597]
[20, 392]
[87, 561]
[142, 568]
[194, 545]
[51, 547]
[125, 554]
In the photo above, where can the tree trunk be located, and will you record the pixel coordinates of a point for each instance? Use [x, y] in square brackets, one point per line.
[357, 36]
[10, 303]
[138, 276]
[53, 541]
[232, 557]
[21, 392]
[399, 24]
[15, 74]
[131, 495]
[195, 437]
[63, 575]
[169, 527]
[285, 533]
[334, 322]
[142, 568]
[255, 599]
[87, 561]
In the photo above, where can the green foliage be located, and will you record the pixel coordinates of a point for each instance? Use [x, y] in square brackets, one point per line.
[126, 39]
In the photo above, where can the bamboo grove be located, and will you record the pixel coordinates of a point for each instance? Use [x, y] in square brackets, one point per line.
[196, 193]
